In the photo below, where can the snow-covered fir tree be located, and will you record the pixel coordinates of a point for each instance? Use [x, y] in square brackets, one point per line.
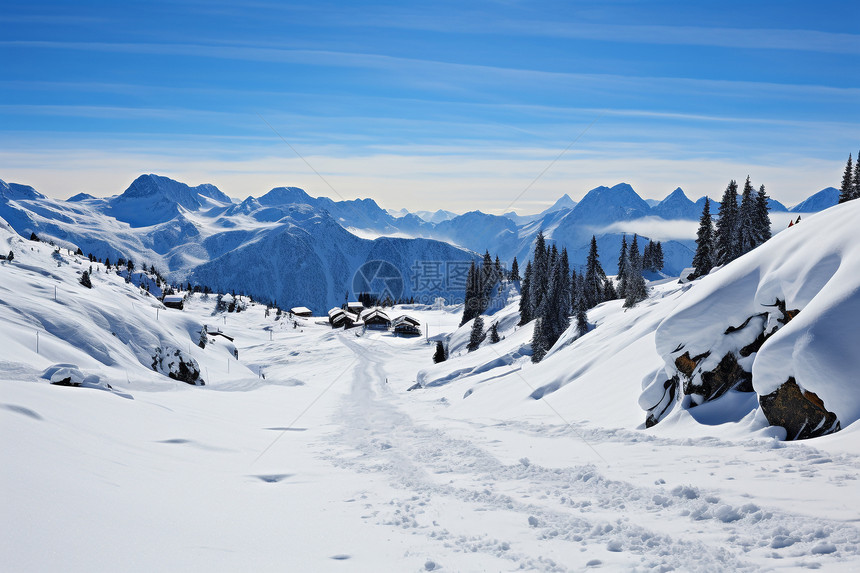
[477, 336]
[439, 354]
[623, 263]
[595, 277]
[747, 227]
[609, 291]
[540, 274]
[652, 260]
[525, 298]
[856, 194]
[515, 270]
[494, 333]
[658, 256]
[539, 345]
[846, 190]
[725, 236]
[762, 219]
[636, 289]
[703, 260]
[579, 309]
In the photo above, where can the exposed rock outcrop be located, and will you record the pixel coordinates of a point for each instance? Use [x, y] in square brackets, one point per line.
[802, 413]
[175, 364]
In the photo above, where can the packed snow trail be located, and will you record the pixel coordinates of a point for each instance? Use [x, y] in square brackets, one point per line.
[460, 498]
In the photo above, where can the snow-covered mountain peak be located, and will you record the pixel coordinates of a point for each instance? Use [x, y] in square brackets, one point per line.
[676, 205]
[563, 202]
[286, 196]
[153, 199]
[827, 197]
[676, 195]
[608, 204]
[79, 197]
[16, 191]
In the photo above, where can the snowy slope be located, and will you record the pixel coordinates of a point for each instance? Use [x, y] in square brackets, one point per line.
[330, 463]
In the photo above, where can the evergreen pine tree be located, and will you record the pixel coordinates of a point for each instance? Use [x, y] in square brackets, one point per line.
[540, 274]
[477, 335]
[703, 260]
[494, 333]
[658, 256]
[579, 306]
[471, 301]
[201, 342]
[497, 267]
[633, 254]
[85, 279]
[747, 227]
[856, 194]
[594, 277]
[762, 219]
[488, 280]
[554, 311]
[636, 289]
[846, 190]
[539, 345]
[622, 267]
[581, 321]
[439, 355]
[575, 279]
[725, 235]
[648, 256]
[525, 299]
[515, 270]
[565, 301]
[609, 292]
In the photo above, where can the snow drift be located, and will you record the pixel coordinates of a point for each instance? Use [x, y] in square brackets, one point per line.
[780, 321]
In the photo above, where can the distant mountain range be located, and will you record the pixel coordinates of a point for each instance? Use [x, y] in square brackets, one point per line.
[295, 249]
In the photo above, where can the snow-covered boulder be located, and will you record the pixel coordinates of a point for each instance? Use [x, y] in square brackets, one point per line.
[176, 364]
[780, 321]
[71, 375]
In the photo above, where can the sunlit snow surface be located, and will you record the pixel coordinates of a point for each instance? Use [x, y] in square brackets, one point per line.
[330, 464]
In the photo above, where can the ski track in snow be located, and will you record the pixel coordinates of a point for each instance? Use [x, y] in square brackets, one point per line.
[572, 509]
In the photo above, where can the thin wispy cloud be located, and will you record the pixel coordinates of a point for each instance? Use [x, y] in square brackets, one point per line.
[797, 40]
[462, 72]
[427, 106]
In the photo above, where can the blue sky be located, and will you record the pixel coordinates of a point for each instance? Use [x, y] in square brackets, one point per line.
[434, 104]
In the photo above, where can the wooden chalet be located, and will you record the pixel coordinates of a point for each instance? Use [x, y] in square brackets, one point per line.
[335, 314]
[216, 331]
[375, 319]
[301, 311]
[173, 301]
[355, 307]
[406, 326]
[339, 318]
